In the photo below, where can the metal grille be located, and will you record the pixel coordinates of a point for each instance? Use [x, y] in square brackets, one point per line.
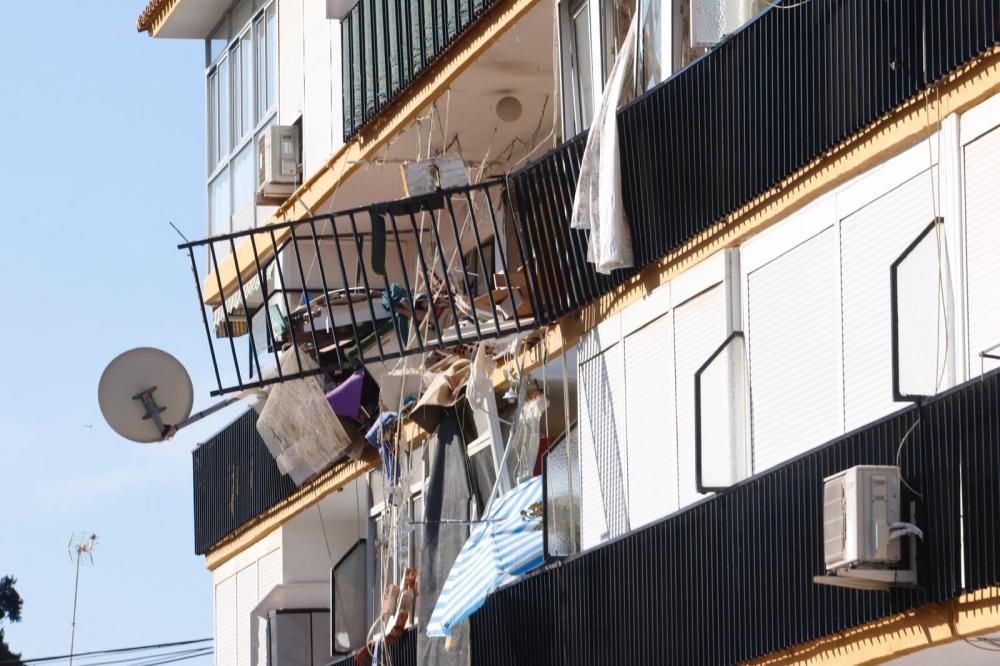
[730, 579]
[385, 44]
[373, 284]
[562, 487]
[235, 480]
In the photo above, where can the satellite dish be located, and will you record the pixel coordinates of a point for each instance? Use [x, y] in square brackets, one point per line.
[145, 394]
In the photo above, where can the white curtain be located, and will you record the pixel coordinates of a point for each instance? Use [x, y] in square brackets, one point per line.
[597, 205]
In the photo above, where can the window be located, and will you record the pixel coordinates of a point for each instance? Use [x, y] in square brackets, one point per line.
[581, 72]
[241, 100]
[636, 400]
[218, 204]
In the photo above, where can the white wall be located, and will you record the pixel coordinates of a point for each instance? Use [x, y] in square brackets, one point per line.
[309, 78]
[239, 585]
[812, 297]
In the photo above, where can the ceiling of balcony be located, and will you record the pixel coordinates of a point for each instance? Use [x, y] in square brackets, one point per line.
[465, 121]
[192, 19]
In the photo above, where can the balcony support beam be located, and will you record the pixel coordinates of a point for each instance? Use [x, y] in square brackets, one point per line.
[430, 85]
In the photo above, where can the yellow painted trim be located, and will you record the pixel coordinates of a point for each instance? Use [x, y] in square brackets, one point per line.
[310, 197]
[889, 136]
[329, 482]
[967, 616]
[155, 15]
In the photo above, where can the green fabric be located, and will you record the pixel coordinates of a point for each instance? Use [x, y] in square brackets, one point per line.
[279, 324]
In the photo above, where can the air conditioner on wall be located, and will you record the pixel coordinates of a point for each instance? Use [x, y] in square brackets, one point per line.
[863, 532]
[278, 157]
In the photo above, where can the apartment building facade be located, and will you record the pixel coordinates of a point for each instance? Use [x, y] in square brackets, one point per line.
[810, 192]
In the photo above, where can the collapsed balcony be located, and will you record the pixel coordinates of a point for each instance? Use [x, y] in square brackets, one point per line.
[387, 281]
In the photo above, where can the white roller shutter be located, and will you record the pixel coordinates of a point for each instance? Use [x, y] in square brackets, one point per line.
[246, 600]
[871, 239]
[793, 340]
[604, 505]
[982, 235]
[649, 409]
[225, 622]
[699, 329]
[268, 572]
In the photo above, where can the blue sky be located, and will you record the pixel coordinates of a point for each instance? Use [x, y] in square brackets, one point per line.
[103, 144]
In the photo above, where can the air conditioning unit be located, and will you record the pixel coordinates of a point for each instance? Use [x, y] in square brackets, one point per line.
[859, 507]
[278, 158]
[863, 531]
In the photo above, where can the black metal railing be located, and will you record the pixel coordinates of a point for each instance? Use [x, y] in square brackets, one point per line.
[235, 479]
[401, 653]
[370, 285]
[385, 44]
[791, 85]
[730, 579]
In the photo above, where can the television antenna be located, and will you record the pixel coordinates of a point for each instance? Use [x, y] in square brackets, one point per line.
[81, 547]
[146, 395]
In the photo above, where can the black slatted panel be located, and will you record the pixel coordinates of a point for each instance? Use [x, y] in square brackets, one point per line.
[385, 44]
[789, 87]
[730, 579]
[235, 480]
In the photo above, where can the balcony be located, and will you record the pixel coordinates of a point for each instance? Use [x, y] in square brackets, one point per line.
[385, 46]
[728, 128]
[235, 480]
[388, 281]
[730, 579]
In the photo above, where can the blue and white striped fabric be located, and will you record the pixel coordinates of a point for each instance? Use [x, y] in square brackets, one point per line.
[506, 544]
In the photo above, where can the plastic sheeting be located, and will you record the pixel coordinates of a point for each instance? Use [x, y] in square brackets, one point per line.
[597, 205]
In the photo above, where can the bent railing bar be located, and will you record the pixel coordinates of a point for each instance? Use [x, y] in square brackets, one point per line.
[503, 260]
[427, 280]
[409, 288]
[343, 273]
[284, 298]
[306, 297]
[266, 297]
[326, 292]
[225, 314]
[204, 316]
[464, 269]
[246, 310]
[368, 289]
[530, 274]
[482, 262]
[388, 289]
[447, 281]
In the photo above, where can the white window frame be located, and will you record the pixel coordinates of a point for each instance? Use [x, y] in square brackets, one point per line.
[217, 163]
[722, 268]
[568, 79]
[829, 211]
[963, 130]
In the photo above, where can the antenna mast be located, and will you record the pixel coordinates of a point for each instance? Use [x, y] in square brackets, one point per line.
[80, 547]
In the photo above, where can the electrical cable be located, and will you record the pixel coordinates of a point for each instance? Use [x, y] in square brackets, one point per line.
[105, 652]
[141, 660]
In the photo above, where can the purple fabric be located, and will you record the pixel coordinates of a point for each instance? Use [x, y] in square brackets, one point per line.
[345, 398]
